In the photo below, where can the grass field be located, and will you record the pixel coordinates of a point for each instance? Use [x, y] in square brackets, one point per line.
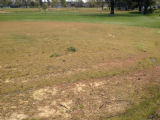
[79, 15]
[80, 66]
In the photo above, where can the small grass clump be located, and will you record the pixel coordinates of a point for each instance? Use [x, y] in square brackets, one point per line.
[80, 106]
[71, 49]
[157, 43]
[55, 55]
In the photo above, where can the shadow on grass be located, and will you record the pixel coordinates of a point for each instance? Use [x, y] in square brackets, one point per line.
[118, 14]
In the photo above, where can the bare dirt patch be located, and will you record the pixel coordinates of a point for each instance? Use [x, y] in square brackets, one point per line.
[79, 88]
[4, 12]
[88, 99]
[42, 93]
[17, 116]
[111, 35]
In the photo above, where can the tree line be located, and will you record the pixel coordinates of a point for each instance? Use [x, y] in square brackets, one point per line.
[31, 3]
[129, 4]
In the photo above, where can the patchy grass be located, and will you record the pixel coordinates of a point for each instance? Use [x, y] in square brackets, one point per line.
[55, 55]
[78, 70]
[147, 109]
[96, 44]
[71, 49]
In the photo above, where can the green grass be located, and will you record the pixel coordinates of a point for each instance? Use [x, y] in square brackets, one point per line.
[122, 18]
[145, 109]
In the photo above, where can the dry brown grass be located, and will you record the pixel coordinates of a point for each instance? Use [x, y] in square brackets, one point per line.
[74, 85]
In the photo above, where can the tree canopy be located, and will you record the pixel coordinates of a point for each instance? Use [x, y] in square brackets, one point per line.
[44, 7]
[63, 2]
[129, 4]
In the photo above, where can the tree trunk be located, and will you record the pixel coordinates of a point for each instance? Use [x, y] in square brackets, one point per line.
[140, 8]
[146, 6]
[145, 9]
[112, 7]
[102, 6]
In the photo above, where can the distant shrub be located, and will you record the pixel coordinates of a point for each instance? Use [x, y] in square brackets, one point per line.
[14, 6]
[71, 49]
[157, 11]
[44, 7]
[157, 43]
[55, 55]
[151, 10]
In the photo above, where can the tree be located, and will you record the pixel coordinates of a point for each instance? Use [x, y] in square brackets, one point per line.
[129, 3]
[8, 2]
[48, 1]
[18, 2]
[32, 3]
[24, 3]
[91, 3]
[157, 3]
[112, 6]
[80, 3]
[1, 2]
[29, 2]
[41, 3]
[133, 3]
[63, 2]
[109, 2]
[44, 7]
[100, 3]
[36, 4]
[54, 3]
[145, 4]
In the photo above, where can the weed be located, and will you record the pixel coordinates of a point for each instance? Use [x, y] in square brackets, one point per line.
[154, 60]
[52, 55]
[49, 67]
[157, 43]
[55, 55]
[8, 67]
[141, 47]
[80, 106]
[154, 91]
[71, 49]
